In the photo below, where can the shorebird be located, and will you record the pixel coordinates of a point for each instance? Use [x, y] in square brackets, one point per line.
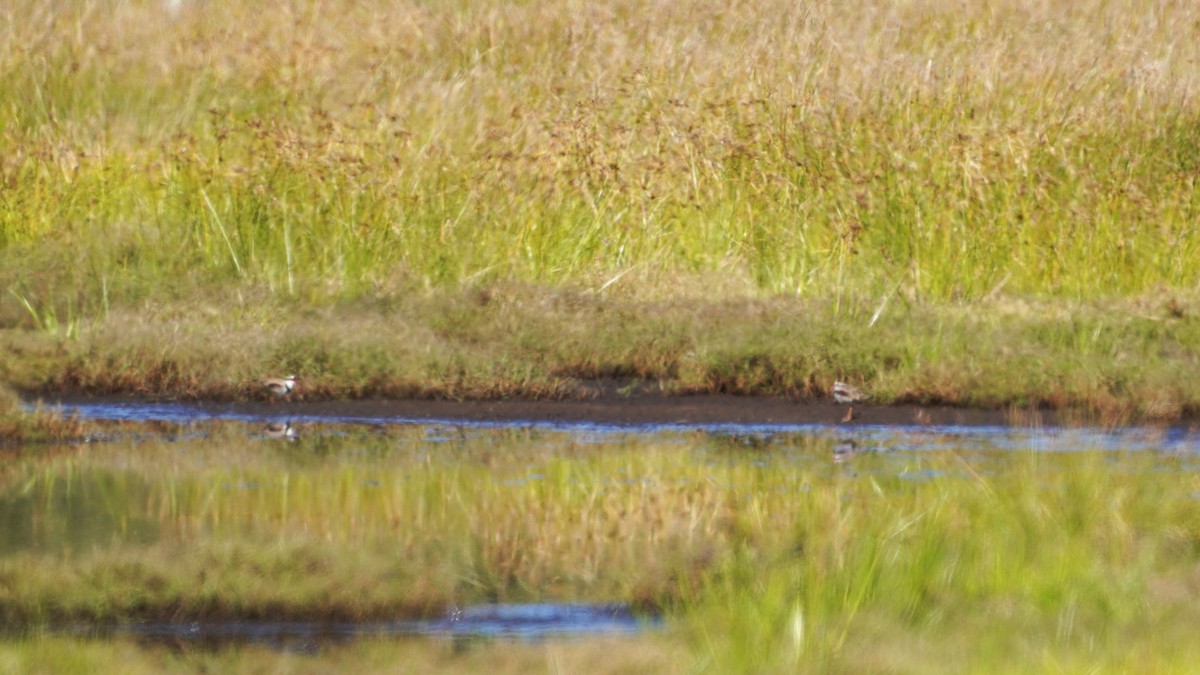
[848, 395]
[280, 387]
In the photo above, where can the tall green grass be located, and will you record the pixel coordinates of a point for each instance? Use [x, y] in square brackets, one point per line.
[1058, 559]
[340, 148]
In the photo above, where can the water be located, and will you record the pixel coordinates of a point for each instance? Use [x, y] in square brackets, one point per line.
[156, 474]
[520, 621]
[864, 437]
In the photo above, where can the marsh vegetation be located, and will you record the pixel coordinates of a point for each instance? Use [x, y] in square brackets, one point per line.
[977, 205]
[986, 204]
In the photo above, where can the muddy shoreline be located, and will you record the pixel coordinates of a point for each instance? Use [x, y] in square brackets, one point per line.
[610, 410]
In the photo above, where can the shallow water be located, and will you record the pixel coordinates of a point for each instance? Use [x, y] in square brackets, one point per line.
[151, 472]
[103, 502]
[523, 621]
[890, 437]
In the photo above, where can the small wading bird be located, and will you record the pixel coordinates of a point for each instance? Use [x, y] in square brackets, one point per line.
[848, 395]
[280, 387]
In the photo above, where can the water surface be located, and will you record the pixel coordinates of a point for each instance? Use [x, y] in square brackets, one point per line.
[154, 473]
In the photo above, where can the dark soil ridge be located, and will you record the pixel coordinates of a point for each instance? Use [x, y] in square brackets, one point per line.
[622, 401]
[632, 411]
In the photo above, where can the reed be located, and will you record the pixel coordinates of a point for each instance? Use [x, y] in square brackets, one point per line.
[164, 170]
[833, 151]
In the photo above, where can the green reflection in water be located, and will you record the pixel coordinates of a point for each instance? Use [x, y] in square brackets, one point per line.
[68, 508]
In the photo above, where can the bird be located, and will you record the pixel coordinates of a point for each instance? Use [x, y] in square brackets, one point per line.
[844, 393]
[848, 395]
[280, 387]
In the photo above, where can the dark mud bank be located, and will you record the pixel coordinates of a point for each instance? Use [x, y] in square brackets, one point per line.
[623, 411]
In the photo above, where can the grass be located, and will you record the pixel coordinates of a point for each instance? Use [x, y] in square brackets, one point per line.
[984, 204]
[1111, 362]
[764, 560]
[352, 161]
[812, 150]
[19, 427]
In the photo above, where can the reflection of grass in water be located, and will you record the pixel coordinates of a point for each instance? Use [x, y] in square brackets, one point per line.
[766, 560]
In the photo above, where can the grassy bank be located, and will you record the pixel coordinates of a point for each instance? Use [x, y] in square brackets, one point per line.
[20, 428]
[193, 199]
[768, 559]
[1109, 361]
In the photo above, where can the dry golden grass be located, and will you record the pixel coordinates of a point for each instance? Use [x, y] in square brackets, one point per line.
[949, 150]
